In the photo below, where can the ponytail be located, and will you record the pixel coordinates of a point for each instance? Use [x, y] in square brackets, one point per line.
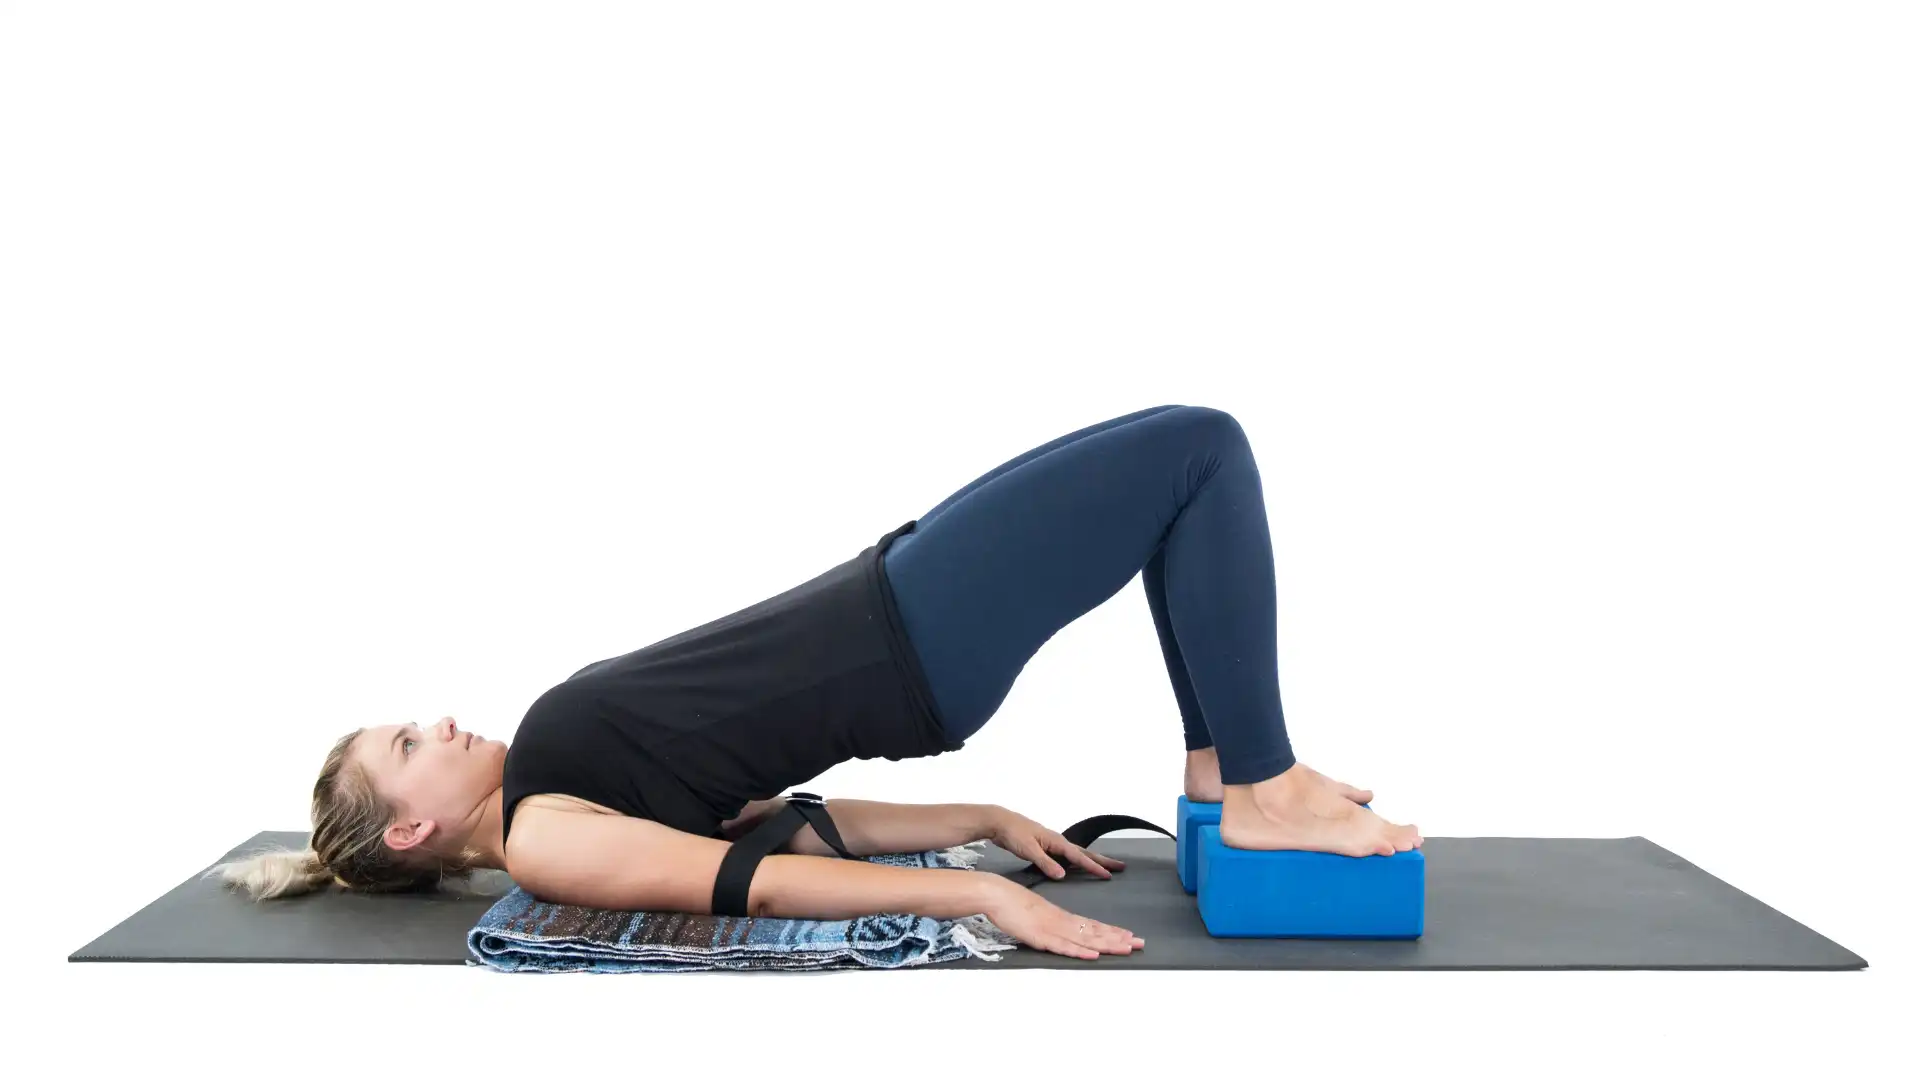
[277, 872]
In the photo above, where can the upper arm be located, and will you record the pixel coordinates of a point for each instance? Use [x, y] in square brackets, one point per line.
[614, 861]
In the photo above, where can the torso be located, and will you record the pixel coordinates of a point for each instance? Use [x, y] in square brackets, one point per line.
[703, 723]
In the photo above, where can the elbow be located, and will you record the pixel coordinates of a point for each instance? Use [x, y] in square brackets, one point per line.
[770, 888]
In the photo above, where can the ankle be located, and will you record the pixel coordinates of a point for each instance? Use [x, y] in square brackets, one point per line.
[1275, 794]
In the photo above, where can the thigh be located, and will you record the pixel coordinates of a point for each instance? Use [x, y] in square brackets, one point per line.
[1008, 564]
[1006, 466]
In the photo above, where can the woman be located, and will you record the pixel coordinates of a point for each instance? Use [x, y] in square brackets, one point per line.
[626, 782]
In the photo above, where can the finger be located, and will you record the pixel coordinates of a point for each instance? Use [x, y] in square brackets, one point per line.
[1085, 861]
[1108, 938]
[1092, 862]
[1037, 855]
[1069, 947]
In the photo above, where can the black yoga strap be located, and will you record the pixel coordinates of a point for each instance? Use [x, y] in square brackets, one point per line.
[743, 858]
[805, 808]
[1080, 834]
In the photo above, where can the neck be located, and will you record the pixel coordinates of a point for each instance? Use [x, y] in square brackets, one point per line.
[486, 835]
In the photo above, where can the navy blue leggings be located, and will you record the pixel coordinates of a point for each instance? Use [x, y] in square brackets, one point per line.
[1170, 493]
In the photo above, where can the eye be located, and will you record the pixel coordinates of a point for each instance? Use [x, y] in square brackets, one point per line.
[404, 743]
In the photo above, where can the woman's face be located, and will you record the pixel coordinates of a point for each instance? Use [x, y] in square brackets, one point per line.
[438, 778]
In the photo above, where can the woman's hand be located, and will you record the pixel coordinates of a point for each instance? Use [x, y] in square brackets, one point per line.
[1036, 843]
[1034, 920]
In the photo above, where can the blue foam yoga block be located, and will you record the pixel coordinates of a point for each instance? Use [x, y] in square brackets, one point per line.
[1187, 821]
[1313, 894]
[1188, 816]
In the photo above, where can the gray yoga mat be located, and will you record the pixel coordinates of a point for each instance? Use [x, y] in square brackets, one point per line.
[1493, 903]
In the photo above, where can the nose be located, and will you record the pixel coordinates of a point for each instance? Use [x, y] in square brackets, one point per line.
[452, 732]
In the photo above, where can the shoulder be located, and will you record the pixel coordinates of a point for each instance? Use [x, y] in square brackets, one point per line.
[610, 860]
[539, 819]
[562, 803]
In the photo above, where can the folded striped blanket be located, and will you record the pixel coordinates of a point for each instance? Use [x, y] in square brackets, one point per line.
[520, 933]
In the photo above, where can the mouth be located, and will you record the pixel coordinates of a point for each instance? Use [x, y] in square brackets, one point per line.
[469, 740]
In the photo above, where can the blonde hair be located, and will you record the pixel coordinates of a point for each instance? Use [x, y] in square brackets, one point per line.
[348, 844]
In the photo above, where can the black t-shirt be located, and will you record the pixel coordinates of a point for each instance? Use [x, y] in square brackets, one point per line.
[688, 730]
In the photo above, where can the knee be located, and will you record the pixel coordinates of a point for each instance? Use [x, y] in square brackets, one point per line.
[1217, 423]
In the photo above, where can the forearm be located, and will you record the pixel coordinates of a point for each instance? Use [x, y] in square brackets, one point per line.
[810, 887]
[879, 828]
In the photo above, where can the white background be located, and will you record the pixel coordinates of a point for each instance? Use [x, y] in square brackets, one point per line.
[369, 363]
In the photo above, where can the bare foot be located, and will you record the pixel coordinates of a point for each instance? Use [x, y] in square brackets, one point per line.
[1203, 779]
[1203, 776]
[1359, 795]
[1295, 812]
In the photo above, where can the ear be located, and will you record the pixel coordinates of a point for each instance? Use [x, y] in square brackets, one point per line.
[406, 835]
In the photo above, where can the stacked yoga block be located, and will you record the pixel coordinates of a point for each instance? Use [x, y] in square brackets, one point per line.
[1311, 894]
